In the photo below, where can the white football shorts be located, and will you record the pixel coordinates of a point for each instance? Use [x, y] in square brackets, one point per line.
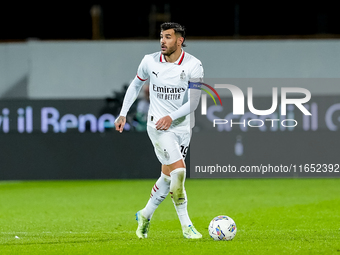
[169, 146]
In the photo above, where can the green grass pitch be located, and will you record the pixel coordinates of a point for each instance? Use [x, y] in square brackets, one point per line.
[273, 216]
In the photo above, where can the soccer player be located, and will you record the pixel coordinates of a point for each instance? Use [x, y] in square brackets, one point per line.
[170, 120]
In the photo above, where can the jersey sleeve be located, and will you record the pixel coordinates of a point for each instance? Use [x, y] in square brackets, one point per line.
[197, 73]
[194, 94]
[189, 107]
[135, 87]
[142, 71]
[131, 95]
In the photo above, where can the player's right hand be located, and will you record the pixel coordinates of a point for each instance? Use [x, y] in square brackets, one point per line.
[120, 123]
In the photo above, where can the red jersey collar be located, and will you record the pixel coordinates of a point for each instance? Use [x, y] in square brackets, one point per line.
[178, 61]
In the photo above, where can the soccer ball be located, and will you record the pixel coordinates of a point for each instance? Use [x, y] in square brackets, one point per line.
[222, 228]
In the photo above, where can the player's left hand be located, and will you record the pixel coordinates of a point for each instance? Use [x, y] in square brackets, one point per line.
[164, 123]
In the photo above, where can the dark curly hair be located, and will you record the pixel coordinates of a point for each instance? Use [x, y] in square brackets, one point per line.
[179, 29]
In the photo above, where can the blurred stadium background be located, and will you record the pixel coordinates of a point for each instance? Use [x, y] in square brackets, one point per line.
[64, 69]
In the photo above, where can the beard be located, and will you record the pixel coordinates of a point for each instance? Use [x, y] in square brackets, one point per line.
[170, 50]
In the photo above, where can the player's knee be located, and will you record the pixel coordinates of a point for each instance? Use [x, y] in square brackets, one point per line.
[178, 174]
[166, 170]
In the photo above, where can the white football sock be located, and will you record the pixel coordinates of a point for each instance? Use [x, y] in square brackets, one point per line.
[158, 193]
[179, 196]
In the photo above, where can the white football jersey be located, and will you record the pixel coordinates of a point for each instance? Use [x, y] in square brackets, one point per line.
[168, 86]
